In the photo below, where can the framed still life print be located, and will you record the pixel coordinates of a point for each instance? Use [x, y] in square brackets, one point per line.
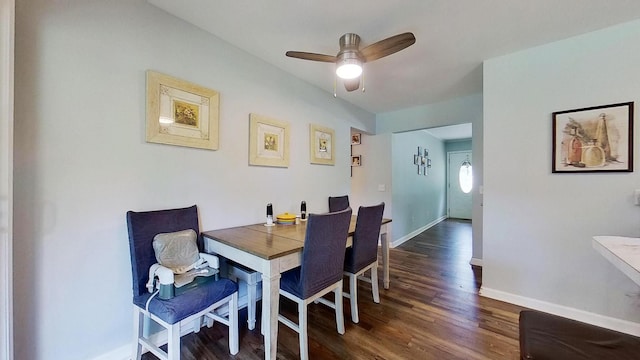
[268, 141]
[321, 145]
[593, 139]
[181, 113]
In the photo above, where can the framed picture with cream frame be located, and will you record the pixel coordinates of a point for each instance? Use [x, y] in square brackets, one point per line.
[268, 141]
[181, 113]
[321, 145]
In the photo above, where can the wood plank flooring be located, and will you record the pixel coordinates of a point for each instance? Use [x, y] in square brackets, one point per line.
[431, 311]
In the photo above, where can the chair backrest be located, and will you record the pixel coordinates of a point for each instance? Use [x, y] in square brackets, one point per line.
[364, 250]
[143, 226]
[338, 203]
[323, 254]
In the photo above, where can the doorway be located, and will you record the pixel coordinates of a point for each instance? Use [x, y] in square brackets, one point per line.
[459, 180]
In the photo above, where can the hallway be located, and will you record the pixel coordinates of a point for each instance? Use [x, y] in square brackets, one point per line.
[450, 243]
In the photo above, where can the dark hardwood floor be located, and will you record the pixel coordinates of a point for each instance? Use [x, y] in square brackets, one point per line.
[431, 311]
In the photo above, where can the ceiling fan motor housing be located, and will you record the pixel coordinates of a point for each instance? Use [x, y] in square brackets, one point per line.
[349, 44]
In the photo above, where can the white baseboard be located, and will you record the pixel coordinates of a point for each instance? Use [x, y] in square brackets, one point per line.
[409, 236]
[159, 339]
[476, 262]
[623, 326]
[121, 353]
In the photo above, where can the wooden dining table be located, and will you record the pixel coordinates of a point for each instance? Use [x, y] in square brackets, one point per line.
[272, 250]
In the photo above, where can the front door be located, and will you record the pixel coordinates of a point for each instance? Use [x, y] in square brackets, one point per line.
[458, 201]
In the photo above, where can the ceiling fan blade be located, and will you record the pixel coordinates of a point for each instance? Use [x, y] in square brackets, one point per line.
[352, 84]
[388, 46]
[311, 56]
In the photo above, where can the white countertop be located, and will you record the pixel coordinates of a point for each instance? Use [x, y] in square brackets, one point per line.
[623, 252]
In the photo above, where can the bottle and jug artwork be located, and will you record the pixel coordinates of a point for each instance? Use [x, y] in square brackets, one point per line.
[588, 148]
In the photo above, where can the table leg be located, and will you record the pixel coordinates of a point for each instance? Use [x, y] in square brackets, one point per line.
[385, 259]
[270, 308]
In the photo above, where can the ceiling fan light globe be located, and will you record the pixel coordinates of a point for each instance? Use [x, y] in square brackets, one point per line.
[349, 70]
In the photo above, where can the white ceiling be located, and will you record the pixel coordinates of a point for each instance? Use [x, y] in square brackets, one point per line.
[453, 37]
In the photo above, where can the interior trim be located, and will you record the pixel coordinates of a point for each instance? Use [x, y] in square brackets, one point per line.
[623, 326]
[7, 36]
[410, 235]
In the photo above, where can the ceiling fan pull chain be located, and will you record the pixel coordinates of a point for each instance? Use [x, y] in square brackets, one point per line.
[362, 79]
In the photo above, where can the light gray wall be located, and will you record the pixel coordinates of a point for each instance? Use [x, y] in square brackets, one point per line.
[374, 172]
[538, 226]
[457, 145]
[467, 109]
[81, 160]
[418, 200]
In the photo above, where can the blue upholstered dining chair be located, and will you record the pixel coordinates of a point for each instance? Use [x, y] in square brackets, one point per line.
[363, 255]
[188, 307]
[320, 271]
[338, 203]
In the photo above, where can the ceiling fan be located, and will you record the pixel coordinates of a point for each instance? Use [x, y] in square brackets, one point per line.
[350, 58]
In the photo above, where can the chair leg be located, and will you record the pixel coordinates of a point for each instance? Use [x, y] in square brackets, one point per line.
[374, 283]
[208, 321]
[138, 319]
[234, 341]
[339, 311]
[302, 330]
[197, 324]
[173, 342]
[353, 297]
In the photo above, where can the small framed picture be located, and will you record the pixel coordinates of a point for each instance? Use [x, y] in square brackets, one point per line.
[356, 160]
[321, 145]
[268, 141]
[356, 139]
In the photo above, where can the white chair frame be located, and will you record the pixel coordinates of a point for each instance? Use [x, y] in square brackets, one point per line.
[352, 295]
[174, 330]
[301, 327]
